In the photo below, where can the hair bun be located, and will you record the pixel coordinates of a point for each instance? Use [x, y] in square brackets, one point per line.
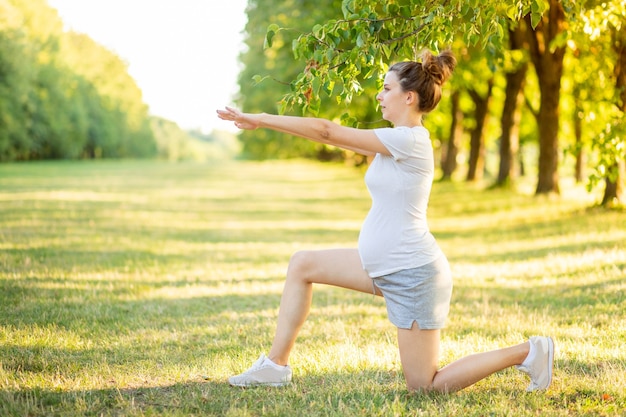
[438, 67]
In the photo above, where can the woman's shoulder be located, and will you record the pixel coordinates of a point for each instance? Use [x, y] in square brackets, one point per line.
[421, 130]
[404, 142]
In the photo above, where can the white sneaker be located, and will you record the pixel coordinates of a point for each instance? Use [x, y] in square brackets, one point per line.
[540, 367]
[263, 372]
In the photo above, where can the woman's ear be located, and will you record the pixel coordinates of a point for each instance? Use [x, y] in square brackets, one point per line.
[411, 97]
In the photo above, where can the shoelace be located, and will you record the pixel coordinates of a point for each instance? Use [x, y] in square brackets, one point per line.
[256, 365]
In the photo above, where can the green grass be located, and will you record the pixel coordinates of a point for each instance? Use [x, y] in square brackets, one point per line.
[137, 288]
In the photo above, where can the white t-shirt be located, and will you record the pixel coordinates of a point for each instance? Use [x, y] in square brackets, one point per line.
[395, 234]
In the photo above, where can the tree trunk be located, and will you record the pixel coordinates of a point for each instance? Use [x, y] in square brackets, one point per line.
[448, 161]
[548, 63]
[578, 134]
[477, 136]
[615, 190]
[520, 158]
[511, 115]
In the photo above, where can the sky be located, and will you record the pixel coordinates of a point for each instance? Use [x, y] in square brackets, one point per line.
[183, 54]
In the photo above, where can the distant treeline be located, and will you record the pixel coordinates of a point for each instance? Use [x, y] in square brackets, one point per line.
[64, 96]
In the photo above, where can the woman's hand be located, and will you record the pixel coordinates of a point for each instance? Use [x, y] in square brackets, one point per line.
[242, 120]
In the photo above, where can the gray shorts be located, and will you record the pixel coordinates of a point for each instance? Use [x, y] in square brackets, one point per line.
[419, 295]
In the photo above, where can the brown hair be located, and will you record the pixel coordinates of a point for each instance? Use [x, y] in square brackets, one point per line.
[426, 78]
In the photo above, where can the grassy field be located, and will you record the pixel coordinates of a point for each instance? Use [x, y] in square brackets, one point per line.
[137, 288]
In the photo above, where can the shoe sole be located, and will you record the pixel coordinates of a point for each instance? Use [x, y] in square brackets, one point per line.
[260, 384]
[550, 360]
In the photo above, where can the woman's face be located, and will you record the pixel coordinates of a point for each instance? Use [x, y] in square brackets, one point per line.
[392, 99]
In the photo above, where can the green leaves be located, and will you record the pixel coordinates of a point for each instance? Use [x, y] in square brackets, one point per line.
[62, 95]
[258, 79]
[269, 35]
[371, 35]
[537, 9]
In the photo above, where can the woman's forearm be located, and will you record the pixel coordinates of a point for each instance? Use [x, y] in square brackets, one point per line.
[318, 130]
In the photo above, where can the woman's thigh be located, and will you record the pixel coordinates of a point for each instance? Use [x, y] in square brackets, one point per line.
[338, 267]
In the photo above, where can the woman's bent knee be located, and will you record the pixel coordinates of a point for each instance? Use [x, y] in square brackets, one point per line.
[301, 265]
[420, 384]
[428, 386]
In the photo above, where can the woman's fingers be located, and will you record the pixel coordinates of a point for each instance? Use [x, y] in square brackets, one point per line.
[227, 114]
[236, 116]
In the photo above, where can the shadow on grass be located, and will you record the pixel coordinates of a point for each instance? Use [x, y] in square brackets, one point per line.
[359, 393]
[498, 256]
[533, 228]
[127, 306]
[110, 307]
[33, 301]
[558, 297]
[593, 369]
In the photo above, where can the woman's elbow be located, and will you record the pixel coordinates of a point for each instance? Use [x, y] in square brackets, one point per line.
[325, 131]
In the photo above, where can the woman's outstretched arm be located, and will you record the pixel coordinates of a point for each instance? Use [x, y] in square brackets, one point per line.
[363, 141]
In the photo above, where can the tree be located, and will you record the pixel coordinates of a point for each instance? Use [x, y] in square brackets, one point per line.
[547, 55]
[18, 71]
[599, 44]
[344, 51]
[615, 190]
[267, 72]
[451, 149]
[481, 100]
[16, 79]
[370, 35]
[63, 95]
[120, 122]
[515, 68]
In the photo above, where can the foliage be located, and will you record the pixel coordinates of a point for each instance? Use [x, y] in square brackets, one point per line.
[260, 93]
[175, 144]
[136, 287]
[63, 95]
[119, 97]
[596, 34]
[338, 54]
[371, 34]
